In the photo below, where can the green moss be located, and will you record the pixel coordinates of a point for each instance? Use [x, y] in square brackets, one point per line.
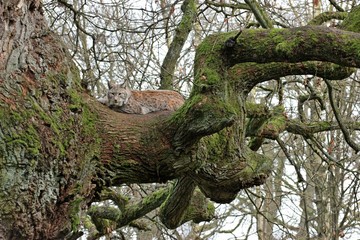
[211, 208]
[188, 17]
[208, 47]
[352, 22]
[276, 35]
[267, 126]
[46, 117]
[293, 42]
[256, 164]
[255, 110]
[75, 207]
[286, 47]
[355, 47]
[25, 135]
[321, 125]
[181, 112]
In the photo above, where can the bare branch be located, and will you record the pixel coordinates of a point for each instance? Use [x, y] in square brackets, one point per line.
[339, 119]
[292, 162]
[260, 14]
[181, 34]
[340, 9]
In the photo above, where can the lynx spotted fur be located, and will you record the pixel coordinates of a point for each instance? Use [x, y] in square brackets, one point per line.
[121, 99]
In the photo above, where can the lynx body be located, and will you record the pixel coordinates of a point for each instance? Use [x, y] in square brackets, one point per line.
[122, 99]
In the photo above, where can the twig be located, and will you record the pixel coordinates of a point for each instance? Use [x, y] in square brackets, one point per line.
[337, 6]
[297, 170]
[338, 118]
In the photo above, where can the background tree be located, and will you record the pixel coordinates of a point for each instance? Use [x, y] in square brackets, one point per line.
[62, 151]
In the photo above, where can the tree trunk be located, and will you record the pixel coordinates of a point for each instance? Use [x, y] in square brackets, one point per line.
[47, 146]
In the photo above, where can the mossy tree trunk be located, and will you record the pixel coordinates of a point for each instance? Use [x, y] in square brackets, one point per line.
[46, 131]
[60, 148]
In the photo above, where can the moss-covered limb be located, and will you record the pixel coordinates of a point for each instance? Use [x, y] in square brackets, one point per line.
[200, 208]
[147, 204]
[213, 103]
[272, 125]
[107, 219]
[352, 22]
[268, 127]
[254, 110]
[201, 116]
[104, 212]
[328, 16]
[223, 179]
[173, 210]
[293, 45]
[119, 200]
[297, 127]
[181, 33]
[265, 126]
[250, 74]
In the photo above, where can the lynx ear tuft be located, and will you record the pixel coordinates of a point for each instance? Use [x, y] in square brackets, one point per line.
[111, 84]
[124, 84]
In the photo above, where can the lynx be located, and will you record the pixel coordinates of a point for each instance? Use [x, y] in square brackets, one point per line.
[121, 99]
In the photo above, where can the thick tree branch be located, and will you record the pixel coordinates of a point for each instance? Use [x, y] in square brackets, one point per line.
[264, 123]
[173, 210]
[293, 45]
[255, 73]
[137, 148]
[107, 219]
[269, 126]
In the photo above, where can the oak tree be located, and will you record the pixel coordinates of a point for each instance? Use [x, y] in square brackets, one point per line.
[61, 150]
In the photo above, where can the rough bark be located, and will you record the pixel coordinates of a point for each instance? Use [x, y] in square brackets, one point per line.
[47, 147]
[60, 148]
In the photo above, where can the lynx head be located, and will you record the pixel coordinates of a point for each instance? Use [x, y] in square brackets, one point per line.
[118, 95]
